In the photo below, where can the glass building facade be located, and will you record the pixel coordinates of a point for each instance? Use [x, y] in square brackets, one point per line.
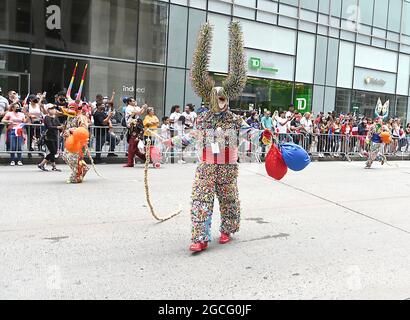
[321, 55]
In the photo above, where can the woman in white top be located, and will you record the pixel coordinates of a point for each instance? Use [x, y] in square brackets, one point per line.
[307, 130]
[175, 122]
[395, 136]
[34, 115]
[190, 116]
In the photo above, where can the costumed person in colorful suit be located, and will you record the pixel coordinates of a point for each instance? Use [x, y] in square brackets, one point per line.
[135, 137]
[217, 134]
[376, 136]
[75, 160]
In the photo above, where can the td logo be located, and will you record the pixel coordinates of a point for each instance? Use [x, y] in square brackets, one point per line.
[301, 104]
[255, 63]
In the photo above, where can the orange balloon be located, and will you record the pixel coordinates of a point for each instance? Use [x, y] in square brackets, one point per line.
[386, 137]
[81, 135]
[71, 145]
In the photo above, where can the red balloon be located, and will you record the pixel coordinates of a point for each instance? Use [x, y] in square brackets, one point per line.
[274, 164]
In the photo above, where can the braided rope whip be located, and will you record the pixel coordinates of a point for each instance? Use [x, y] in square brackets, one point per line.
[93, 164]
[147, 191]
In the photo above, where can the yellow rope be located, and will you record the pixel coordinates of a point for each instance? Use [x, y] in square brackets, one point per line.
[147, 192]
[93, 164]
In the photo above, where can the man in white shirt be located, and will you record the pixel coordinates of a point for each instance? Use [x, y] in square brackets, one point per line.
[132, 111]
[282, 123]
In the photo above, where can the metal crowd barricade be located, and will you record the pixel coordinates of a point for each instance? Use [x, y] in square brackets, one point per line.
[30, 144]
[105, 141]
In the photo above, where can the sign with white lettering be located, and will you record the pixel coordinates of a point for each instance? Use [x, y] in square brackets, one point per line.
[374, 81]
[256, 64]
[53, 16]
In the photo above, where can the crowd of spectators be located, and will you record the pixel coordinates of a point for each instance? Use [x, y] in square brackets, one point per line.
[328, 134]
[23, 121]
[324, 134]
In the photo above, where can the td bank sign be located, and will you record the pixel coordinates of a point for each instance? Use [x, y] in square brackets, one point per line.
[257, 64]
[303, 103]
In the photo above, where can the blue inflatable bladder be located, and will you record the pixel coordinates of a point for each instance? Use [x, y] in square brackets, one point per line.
[295, 157]
[376, 138]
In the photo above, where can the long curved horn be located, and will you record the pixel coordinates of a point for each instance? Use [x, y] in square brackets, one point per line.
[202, 83]
[236, 80]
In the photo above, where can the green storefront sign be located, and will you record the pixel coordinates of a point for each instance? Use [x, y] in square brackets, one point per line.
[303, 103]
[256, 64]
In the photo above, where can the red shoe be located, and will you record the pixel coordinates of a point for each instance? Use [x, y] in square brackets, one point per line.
[225, 238]
[157, 165]
[128, 166]
[198, 247]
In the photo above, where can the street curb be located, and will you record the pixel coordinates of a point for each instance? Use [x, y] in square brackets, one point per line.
[4, 161]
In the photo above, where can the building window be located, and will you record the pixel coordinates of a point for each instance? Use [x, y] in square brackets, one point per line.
[150, 87]
[152, 36]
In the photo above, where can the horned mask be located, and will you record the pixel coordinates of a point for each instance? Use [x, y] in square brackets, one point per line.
[202, 83]
[382, 110]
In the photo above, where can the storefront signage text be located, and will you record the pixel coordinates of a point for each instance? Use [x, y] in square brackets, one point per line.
[374, 81]
[131, 89]
[302, 104]
[53, 17]
[256, 64]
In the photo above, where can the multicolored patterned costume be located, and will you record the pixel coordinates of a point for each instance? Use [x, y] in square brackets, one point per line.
[375, 143]
[134, 136]
[217, 134]
[76, 161]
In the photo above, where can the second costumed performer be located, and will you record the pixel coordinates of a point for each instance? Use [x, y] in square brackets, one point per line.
[217, 133]
[74, 155]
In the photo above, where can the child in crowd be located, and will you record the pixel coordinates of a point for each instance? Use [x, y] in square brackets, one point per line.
[165, 133]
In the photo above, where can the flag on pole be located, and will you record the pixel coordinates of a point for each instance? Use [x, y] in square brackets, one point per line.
[80, 91]
[70, 87]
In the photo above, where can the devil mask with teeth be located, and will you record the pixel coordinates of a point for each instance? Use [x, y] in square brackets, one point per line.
[218, 97]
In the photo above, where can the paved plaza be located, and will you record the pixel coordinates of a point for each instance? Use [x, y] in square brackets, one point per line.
[333, 231]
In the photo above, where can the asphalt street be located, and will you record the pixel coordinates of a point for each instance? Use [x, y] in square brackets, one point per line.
[333, 231]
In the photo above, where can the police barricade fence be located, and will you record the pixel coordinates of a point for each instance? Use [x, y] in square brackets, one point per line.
[108, 141]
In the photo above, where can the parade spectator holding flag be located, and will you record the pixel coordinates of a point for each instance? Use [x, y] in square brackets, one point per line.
[15, 119]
